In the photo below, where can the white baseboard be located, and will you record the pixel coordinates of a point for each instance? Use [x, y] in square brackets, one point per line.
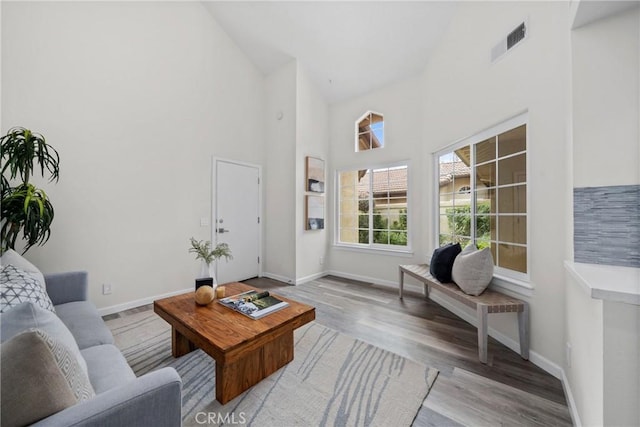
[363, 278]
[148, 300]
[284, 279]
[311, 277]
[298, 281]
[139, 302]
[535, 358]
[386, 283]
[573, 409]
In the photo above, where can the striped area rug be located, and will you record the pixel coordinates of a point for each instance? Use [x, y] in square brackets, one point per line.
[334, 380]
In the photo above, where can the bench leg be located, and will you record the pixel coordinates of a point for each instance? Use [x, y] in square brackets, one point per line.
[401, 281]
[482, 333]
[523, 331]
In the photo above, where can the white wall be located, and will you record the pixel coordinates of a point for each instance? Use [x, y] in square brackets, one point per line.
[621, 324]
[460, 94]
[584, 331]
[136, 97]
[603, 367]
[296, 127]
[603, 375]
[401, 106]
[465, 93]
[606, 107]
[312, 139]
[280, 174]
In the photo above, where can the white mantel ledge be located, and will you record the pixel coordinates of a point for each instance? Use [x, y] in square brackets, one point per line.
[607, 282]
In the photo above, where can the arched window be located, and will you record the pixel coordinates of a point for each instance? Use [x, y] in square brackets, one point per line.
[369, 131]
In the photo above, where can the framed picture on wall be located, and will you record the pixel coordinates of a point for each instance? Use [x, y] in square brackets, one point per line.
[314, 213]
[315, 175]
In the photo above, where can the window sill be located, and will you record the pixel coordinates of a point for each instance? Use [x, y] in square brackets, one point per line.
[407, 253]
[510, 285]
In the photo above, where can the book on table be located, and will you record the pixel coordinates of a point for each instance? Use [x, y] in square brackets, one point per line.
[254, 304]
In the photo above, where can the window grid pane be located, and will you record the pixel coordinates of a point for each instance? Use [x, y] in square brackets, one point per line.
[512, 257]
[348, 235]
[512, 141]
[512, 199]
[513, 169]
[485, 151]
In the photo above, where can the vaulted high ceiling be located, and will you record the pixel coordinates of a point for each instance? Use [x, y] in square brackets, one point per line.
[349, 48]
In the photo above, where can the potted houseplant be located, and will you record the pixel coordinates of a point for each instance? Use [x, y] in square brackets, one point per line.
[203, 252]
[25, 208]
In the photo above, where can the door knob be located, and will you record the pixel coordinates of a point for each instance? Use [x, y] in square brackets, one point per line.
[222, 230]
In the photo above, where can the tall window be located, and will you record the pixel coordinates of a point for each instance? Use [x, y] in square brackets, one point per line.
[369, 131]
[372, 207]
[482, 193]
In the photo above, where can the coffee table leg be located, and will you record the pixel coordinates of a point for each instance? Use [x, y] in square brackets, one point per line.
[180, 345]
[232, 378]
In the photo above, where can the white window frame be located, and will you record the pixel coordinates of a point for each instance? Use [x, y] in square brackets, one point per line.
[373, 247]
[509, 280]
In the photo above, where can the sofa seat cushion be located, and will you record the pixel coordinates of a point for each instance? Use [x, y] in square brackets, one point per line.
[107, 367]
[27, 316]
[84, 322]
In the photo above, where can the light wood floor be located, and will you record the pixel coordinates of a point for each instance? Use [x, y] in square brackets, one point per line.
[507, 391]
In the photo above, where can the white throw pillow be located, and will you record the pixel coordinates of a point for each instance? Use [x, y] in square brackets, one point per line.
[18, 286]
[14, 258]
[473, 270]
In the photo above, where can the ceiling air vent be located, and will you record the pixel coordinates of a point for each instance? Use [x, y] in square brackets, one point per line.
[512, 39]
[516, 35]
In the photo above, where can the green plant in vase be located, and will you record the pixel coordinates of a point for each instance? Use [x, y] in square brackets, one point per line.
[25, 208]
[203, 252]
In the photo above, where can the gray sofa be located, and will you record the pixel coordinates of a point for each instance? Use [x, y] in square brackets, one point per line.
[121, 399]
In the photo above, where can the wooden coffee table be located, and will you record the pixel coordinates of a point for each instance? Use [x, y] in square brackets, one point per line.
[245, 350]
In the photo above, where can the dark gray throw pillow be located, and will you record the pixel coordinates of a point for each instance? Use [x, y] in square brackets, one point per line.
[442, 261]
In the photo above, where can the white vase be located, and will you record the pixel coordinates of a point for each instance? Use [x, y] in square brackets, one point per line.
[207, 270]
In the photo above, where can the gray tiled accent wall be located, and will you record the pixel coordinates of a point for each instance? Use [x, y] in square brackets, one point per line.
[606, 223]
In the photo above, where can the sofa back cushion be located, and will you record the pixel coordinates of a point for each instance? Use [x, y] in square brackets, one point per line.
[39, 377]
[28, 316]
[85, 324]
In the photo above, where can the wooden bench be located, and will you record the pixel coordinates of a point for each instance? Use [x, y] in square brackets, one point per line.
[489, 301]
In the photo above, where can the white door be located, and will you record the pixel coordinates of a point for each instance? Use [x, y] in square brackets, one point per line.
[237, 219]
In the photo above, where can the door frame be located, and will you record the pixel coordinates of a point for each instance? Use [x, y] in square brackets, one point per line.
[214, 201]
